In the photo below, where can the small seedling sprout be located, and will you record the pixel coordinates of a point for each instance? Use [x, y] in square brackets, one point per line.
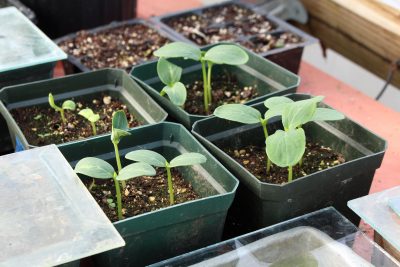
[88, 114]
[157, 160]
[170, 75]
[101, 169]
[68, 104]
[219, 54]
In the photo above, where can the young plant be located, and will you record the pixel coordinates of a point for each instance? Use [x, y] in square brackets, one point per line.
[88, 114]
[219, 54]
[170, 75]
[157, 160]
[68, 104]
[100, 169]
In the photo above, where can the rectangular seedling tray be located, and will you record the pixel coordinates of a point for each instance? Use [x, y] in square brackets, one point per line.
[171, 231]
[115, 83]
[267, 78]
[248, 26]
[84, 61]
[261, 204]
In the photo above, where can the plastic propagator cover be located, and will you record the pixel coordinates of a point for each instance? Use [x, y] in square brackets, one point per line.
[22, 44]
[47, 216]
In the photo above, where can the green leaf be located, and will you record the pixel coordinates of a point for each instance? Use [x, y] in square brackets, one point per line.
[167, 72]
[88, 114]
[286, 148]
[176, 93]
[239, 113]
[52, 104]
[187, 159]
[94, 167]
[276, 101]
[226, 54]
[117, 134]
[135, 170]
[119, 125]
[37, 117]
[110, 200]
[179, 49]
[298, 113]
[69, 104]
[147, 156]
[327, 114]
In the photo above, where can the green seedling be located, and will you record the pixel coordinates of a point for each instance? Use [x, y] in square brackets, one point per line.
[68, 104]
[88, 114]
[157, 160]
[100, 169]
[219, 54]
[111, 203]
[170, 75]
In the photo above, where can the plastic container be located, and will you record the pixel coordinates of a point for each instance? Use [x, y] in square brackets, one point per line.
[259, 204]
[47, 216]
[270, 79]
[21, 7]
[322, 238]
[171, 231]
[57, 18]
[288, 57]
[75, 65]
[111, 81]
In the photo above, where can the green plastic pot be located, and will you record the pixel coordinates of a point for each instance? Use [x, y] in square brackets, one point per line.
[271, 80]
[111, 81]
[171, 231]
[259, 204]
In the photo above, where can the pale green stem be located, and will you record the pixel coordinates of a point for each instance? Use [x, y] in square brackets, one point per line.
[290, 174]
[203, 70]
[170, 187]
[264, 125]
[62, 116]
[118, 159]
[210, 65]
[93, 128]
[118, 193]
[92, 184]
[162, 93]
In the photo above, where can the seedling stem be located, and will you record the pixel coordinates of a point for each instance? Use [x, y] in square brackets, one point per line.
[118, 193]
[205, 82]
[170, 187]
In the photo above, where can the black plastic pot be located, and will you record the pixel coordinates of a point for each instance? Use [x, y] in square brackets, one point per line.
[21, 7]
[113, 82]
[270, 79]
[288, 57]
[259, 204]
[75, 65]
[57, 18]
[171, 231]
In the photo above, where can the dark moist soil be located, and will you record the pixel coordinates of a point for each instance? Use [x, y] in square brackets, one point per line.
[120, 47]
[42, 125]
[225, 90]
[265, 42]
[317, 157]
[142, 194]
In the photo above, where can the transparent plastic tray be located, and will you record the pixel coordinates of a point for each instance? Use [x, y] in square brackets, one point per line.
[47, 217]
[22, 44]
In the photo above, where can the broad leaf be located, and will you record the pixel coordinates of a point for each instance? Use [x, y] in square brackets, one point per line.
[117, 134]
[277, 100]
[327, 114]
[275, 111]
[239, 113]
[167, 72]
[286, 148]
[179, 49]
[298, 113]
[177, 93]
[318, 99]
[187, 159]
[226, 54]
[95, 168]
[119, 125]
[88, 114]
[135, 170]
[147, 156]
[52, 104]
[69, 104]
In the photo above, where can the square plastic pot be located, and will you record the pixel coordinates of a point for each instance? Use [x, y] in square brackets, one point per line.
[171, 231]
[21, 7]
[269, 78]
[114, 82]
[261, 204]
[288, 57]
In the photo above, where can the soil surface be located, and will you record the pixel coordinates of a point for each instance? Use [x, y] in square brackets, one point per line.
[225, 90]
[265, 42]
[42, 125]
[316, 158]
[142, 194]
[120, 47]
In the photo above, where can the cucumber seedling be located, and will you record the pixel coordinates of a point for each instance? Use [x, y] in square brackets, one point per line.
[88, 114]
[219, 54]
[67, 104]
[157, 160]
[101, 169]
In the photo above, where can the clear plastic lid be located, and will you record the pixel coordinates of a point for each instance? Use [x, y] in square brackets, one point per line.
[323, 238]
[380, 211]
[47, 216]
[22, 44]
